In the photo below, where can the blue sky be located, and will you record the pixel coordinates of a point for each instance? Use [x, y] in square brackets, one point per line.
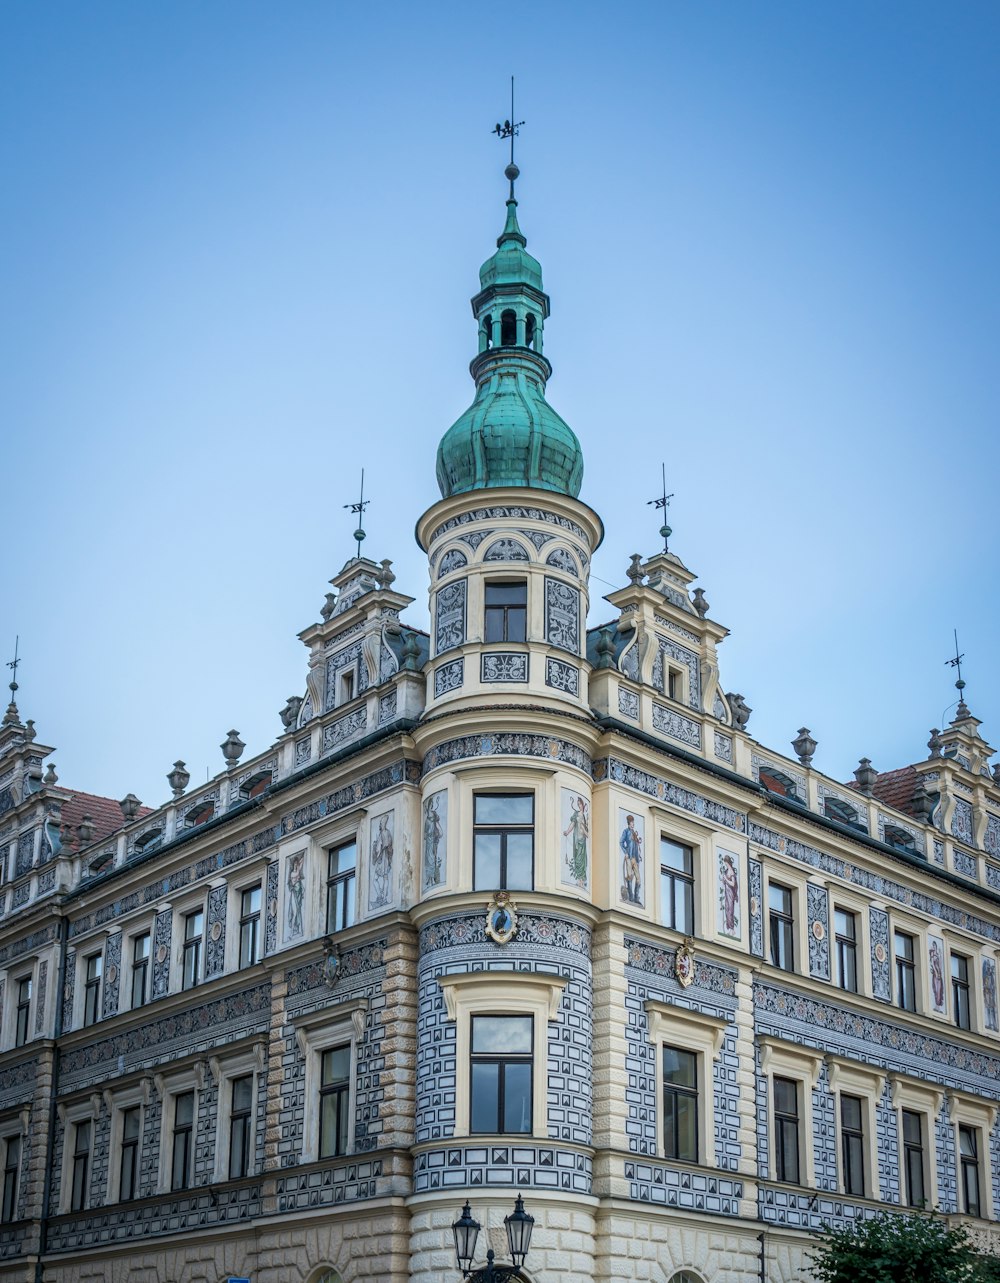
[237, 244]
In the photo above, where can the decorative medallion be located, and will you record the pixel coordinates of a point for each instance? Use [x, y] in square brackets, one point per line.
[818, 930]
[216, 930]
[331, 962]
[754, 906]
[880, 953]
[501, 918]
[112, 974]
[684, 963]
[161, 953]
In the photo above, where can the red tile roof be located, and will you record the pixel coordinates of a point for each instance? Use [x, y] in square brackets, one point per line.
[895, 788]
[104, 811]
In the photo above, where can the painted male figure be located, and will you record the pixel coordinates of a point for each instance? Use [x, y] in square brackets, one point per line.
[631, 845]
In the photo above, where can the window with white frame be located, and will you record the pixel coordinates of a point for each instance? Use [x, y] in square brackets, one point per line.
[793, 1072]
[685, 1046]
[503, 841]
[973, 1121]
[250, 939]
[960, 986]
[192, 947]
[845, 926]
[93, 969]
[918, 1106]
[530, 998]
[781, 925]
[236, 1078]
[22, 986]
[341, 886]
[11, 1142]
[181, 1098]
[139, 969]
[904, 950]
[328, 1118]
[676, 885]
[857, 1091]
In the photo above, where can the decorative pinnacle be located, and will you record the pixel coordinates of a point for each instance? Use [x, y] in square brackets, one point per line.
[664, 503]
[510, 129]
[359, 508]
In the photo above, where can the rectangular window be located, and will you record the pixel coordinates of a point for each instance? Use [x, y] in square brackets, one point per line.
[680, 1105]
[128, 1167]
[677, 886]
[240, 1120]
[782, 924]
[501, 1055]
[913, 1157]
[340, 883]
[23, 1020]
[180, 1165]
[92, 989]
[846, 932]
[81, 1166]
[194, 928]
[504, 841]
[674, 687]
[506, 612]
[140, 970]
[346, 687]
[786, 1130]
[250, 926]
[852, 1145]
[960, 990]
[11, 1172]
[906, 979]
[334, 1102]
[968, 1148]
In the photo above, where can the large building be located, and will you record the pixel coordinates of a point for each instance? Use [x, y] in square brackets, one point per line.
[516, 906]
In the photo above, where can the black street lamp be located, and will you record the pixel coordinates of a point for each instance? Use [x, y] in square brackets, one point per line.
[466, 1230]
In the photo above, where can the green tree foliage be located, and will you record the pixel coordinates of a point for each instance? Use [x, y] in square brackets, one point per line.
[898, 1249]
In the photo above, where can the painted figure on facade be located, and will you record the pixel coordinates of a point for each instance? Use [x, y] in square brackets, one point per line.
[295, 891]
[380, 886]
[631, 847]
[577, 856]
[935, 951]
[729, 895]
[990, 994]
[435, 817]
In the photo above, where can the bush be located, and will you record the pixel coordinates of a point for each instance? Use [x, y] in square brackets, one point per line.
[899, 1249]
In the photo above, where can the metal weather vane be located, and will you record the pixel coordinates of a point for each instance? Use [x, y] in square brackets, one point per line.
[663, 502]
[12, 664]
[510, 129]
[359, 509]
[956, 663]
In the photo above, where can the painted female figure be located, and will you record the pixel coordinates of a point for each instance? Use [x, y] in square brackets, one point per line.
[578, 830]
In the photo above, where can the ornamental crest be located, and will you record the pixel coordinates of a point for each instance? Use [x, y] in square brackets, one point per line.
[684, 963]
[331, 962]
[501, 918]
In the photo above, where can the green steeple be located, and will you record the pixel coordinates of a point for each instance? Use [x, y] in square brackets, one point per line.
[510, 435]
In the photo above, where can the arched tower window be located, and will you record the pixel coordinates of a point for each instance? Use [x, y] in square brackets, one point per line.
[508, 329]
[529, 331]
[488, 329]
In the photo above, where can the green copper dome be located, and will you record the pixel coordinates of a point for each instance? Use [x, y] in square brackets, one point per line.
[510, 435]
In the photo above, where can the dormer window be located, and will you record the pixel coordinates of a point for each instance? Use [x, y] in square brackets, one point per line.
[200, 813]
[900, 839]
[101, 863]
[777, 782]
[149, 840]
[255, 785]
[843, 813]
[508, 329]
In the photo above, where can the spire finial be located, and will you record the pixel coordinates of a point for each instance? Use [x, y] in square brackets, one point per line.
[359, 508]
[664, 503]
[12, 665]
[510, 129]
[956, 663]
